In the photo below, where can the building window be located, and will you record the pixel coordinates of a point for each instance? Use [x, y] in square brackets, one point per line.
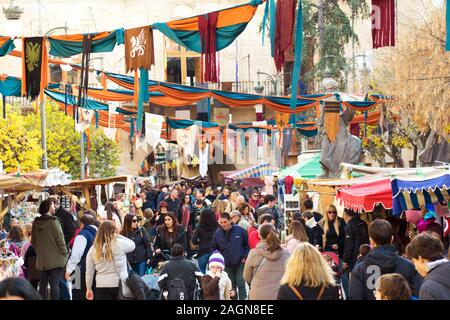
[183, 66]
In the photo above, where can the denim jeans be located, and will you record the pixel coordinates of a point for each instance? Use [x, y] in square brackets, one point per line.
[139, 267]
[64, 293]
[53, 277]
[236, 275]
[203, 262]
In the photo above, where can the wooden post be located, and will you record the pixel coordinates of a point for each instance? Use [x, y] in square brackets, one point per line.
[88, 197]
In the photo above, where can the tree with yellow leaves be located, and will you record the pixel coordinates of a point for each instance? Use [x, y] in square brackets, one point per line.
[415, 73]
[19, 147]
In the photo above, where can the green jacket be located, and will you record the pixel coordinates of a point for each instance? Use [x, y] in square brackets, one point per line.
[47, 239]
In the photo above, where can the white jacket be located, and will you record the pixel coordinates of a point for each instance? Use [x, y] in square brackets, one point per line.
[108, 271]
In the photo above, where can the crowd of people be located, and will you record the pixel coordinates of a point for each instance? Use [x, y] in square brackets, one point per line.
[183, 243]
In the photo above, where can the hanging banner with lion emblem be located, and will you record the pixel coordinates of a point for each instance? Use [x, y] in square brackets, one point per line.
[33, 56]
[139, 51]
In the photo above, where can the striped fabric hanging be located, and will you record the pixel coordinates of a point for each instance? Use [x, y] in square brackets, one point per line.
[331, 119]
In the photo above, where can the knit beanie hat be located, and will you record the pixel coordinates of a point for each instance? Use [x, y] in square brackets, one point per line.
[163, 204]
[216, 259]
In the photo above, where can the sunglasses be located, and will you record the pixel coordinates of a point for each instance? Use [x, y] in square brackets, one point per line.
[134, 220]
[255, 196]
[332, 212]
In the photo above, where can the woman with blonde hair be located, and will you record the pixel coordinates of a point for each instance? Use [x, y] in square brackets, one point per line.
[330, 234]
[265, 265]
[27, 229]
[232, 203]
[308, 276]
[297, 235]
[108, 261]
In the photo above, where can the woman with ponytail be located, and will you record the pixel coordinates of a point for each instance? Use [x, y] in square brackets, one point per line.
[265, 265]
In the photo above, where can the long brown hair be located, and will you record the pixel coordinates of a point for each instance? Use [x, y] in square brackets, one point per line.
[268, 234]
[105, 237]
[393, 287]
[127, 229]
[110, 210]
[165, 230]
[297, 230]
[326, 223]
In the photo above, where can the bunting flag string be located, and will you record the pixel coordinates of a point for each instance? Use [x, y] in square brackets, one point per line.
[6, 45]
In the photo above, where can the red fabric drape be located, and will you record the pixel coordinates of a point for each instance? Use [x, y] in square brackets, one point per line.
[285, 20]
[207, 28]
[383, 25]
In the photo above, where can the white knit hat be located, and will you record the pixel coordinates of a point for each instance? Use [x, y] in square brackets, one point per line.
[216, 259]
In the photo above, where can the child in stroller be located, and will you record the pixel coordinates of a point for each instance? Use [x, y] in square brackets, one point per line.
[335, 264]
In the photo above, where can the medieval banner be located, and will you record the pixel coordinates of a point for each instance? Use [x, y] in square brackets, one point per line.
[139, 51]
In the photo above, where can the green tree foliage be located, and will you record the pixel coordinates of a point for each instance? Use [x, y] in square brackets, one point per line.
[103, 155]
[18, 145]
[63, 142]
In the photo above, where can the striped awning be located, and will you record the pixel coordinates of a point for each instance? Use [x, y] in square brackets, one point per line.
[256, 171]
[414, 194]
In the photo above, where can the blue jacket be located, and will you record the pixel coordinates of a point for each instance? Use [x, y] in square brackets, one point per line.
[233, 250]
[89, 233]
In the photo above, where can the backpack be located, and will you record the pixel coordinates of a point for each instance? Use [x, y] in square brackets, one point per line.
[177, 290]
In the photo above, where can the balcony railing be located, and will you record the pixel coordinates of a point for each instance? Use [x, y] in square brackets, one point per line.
[267, 87]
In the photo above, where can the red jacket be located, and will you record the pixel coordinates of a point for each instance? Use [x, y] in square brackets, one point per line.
[253, 237]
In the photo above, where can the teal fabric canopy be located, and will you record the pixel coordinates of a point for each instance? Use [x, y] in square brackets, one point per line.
[447, 21]
[7, 47]
[11, 87]
[66, 49]
[309, 169]
[183, 124]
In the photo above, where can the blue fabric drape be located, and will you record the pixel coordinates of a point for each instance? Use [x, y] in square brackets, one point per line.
[96, 119]
[286, 101]
[183, 124]
[273, 12]
[361, 105]
[298, 55]
[183, 88]
[307, 133]
[143, 97]
[7, 47]
[447, 22]
[236, 95]
[11, 87]
[72, 100]
[66, 49]
[128, 79]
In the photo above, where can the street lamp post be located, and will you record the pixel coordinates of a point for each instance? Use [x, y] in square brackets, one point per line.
[43, 111]
[346, 64]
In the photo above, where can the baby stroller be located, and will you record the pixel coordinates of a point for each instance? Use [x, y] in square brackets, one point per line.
[198, 294]
[158, 261]
[335, 264]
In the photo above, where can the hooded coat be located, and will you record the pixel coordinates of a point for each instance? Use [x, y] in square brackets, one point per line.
[436, 285]
[47, 239]
[263, 270]
[379, 261]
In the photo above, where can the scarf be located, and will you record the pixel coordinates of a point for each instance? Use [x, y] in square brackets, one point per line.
[207, 28]
[224, 285]
[383, 27]
[185, 215]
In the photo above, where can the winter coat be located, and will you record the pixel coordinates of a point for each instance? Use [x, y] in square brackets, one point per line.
[232, 244]
[180, 267]
[263, 271]
[212, 286]
[291, 244]
[253, 237]
[308, 293]
[173, 205]
[190, 213]
[143, 250]
[436, 285]
[69, 226]
[47, 238]
[108, 273]
[163, 242]
[356, 234]
[203, 237]
[331, 237]
[274, 212]
[388, 261]
[140, 289]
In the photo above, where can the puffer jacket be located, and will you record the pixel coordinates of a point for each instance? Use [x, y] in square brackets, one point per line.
[436, 285]
[263, 270]
[47, 238]
[143, 250]
[381, 260]
[108, 273]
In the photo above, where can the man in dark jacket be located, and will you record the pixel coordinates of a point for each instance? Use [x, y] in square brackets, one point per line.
[382, 259]
[173, 202]
[232, 242]
[356, 234]
[269, 207]
[67, 221]
[427, 253]
[47, 238]
[77, 261]
[179, 268]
